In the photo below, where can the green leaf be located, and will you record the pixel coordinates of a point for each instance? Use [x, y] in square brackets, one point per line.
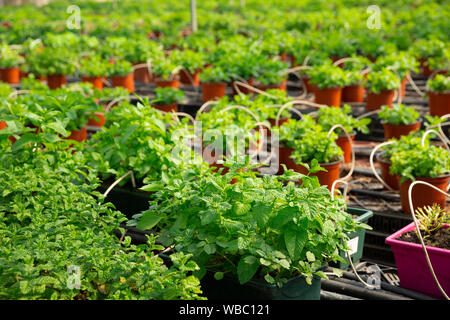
[246, 271]
[148, 220]
[152, 187]
[295, 240]
[310, 256]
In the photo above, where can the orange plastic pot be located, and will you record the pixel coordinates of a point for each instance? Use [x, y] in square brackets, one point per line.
[167, 83]
[376, 100]
[10, 75]
[326, 178]
[78, 135]
[284, 157]
[2, 125]
[97, 82]
[98, 120]
[424, 68]
[328, 96]
[279, 86]
[403, 87]
[167, 107]
[55, 81]
[126, 82]
[141, 74]
[354, 93]
[310, 87]
[423, 195]
[192, 79]
[211, 91]
[390, 179]
[439, 103]
[346, 146]
[284, 57]
[398, 130]
[243, 89]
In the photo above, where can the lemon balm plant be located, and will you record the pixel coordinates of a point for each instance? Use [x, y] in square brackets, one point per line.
[399, 120]
[329, 81]
[10, 60]
[438, 90]
[381, 86]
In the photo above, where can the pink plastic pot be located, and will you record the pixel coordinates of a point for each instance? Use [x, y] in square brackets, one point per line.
[413, 269]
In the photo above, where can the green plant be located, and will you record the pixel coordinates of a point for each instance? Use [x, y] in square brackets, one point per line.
[400, 62]
[51, 61]
[255, 229]
[327, 76]
[383, 79]
[165, 68]
[215, 74]
[425, 49]
[270, 71]
[265, 106]
[440, 83]
[190, 60]
[293, 130]
[399, 114]
[93, 66]
[119, 68]
[168, 95]
[9, 58]
[422, 161]
[330, 116]
[432, 219]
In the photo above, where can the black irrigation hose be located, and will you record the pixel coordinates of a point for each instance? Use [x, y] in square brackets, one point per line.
[376, 194]
[391, 288]
[353, 289]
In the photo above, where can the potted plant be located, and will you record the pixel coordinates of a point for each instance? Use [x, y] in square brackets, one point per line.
[426, 49]
[259, 246]
[93, 69]
[10, 61]
[139, 52]
[121, 74]
[423, 163]
[192, 63]
[380, 86]
[329, 81]
[166, 72]
[438, 90]
[412, 266]
[270, 74]
[214, 82]
[355, 68]
[167, 99]
[399, 120]
[329, 117]
[54, 63]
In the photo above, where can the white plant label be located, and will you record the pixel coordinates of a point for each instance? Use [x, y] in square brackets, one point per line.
[74, 21]
[74, 278]
[374, 21]
[353, 245]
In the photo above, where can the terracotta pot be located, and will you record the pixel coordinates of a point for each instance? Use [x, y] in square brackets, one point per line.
[354, 93]
[243, 89]
[328, 96]
[425, 69]
[167, 107]
[310, 87]
[55, 81]
[390, 179]
[398, 130]
[211, 91]
[423, 195]
[186, 76]
[326, 178]
[141, 74]
[10, 75]
[439, 103]
[403, 87]
[280, 86]
[98, 120]
[78, 135]
[167, 83]
[96, 81]
[284, 158]
[375, 101]
[346, 146]
[124, 81]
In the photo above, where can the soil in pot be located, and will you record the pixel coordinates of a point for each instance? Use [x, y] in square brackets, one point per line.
[353, 93]
[328, 96]
[55, 81]
[97, 82]
[192, 79]
[10, 75]
[173, 83]
[439, 103]
[398, 130]
[212, 91]
[376, 101]
[124, 81]
[441, 239]
[423, 195]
